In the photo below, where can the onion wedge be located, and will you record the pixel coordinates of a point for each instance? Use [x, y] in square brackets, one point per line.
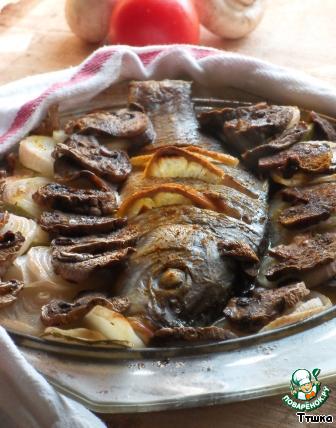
[35, 152]
[112, 325]
[83, 335]
[29, 229]
[17, 195]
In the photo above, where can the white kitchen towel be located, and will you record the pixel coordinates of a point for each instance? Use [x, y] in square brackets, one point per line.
[24, 103]
[26, 399]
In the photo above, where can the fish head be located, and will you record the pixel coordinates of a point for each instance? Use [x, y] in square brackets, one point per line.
[177, 276]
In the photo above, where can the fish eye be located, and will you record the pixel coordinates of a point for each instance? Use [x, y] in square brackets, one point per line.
[172, 278]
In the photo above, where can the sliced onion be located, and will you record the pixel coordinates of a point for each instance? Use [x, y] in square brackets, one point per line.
[29, 229]
[39, 265]
[17, 195]
[24, 314]
[59, 136]
[113, 326]
[19, 270]
[75, 334]
[35, 152]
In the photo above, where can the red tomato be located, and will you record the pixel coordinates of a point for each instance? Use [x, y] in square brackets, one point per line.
[148, 22]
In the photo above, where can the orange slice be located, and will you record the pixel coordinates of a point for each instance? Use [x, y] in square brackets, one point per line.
[216, 157]
[163, 195]
[222, 158]
[174, 162]
[141, 160]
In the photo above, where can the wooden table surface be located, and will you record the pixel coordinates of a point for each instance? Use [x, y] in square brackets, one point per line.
[34, 38]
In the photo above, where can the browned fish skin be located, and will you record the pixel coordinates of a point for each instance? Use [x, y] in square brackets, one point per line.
[180, 275]
[168, 105]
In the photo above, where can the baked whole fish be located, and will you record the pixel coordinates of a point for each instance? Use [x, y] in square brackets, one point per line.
[207, 225]
[163, 239]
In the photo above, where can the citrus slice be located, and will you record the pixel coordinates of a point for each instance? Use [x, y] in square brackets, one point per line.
[163, 195]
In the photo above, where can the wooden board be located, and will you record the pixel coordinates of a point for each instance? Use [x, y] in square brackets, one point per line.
[34, 38]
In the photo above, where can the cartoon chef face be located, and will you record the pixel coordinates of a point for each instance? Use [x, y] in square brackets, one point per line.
[306, 387]
[302, 380]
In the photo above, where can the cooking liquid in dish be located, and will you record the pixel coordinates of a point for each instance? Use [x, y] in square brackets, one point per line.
[165, 246]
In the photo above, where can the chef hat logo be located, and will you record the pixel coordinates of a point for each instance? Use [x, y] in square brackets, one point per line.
[304, 384]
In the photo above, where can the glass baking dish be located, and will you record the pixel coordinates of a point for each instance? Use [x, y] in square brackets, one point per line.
[110, 380]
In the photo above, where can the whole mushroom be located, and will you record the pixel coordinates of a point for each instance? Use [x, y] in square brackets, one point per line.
[230, 19]
[89, 19]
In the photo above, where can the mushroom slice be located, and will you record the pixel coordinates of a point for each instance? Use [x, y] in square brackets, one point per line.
[283, 141]
[124, 123]
[58, 312]
[10, 245]
[86, 152]
[57, 223]
[312, 204]
[79, 201]
[323, 128]
[311, 156]
[77, 267]
[9, 291]
[250, 313]
[163, 195]
[66, 172]
[97, 243]
[304, 254]
[75, 259]
[311, 305]
[243, 128]
[192, 334]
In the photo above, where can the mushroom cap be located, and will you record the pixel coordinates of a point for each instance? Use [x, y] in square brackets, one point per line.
[230, 19]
